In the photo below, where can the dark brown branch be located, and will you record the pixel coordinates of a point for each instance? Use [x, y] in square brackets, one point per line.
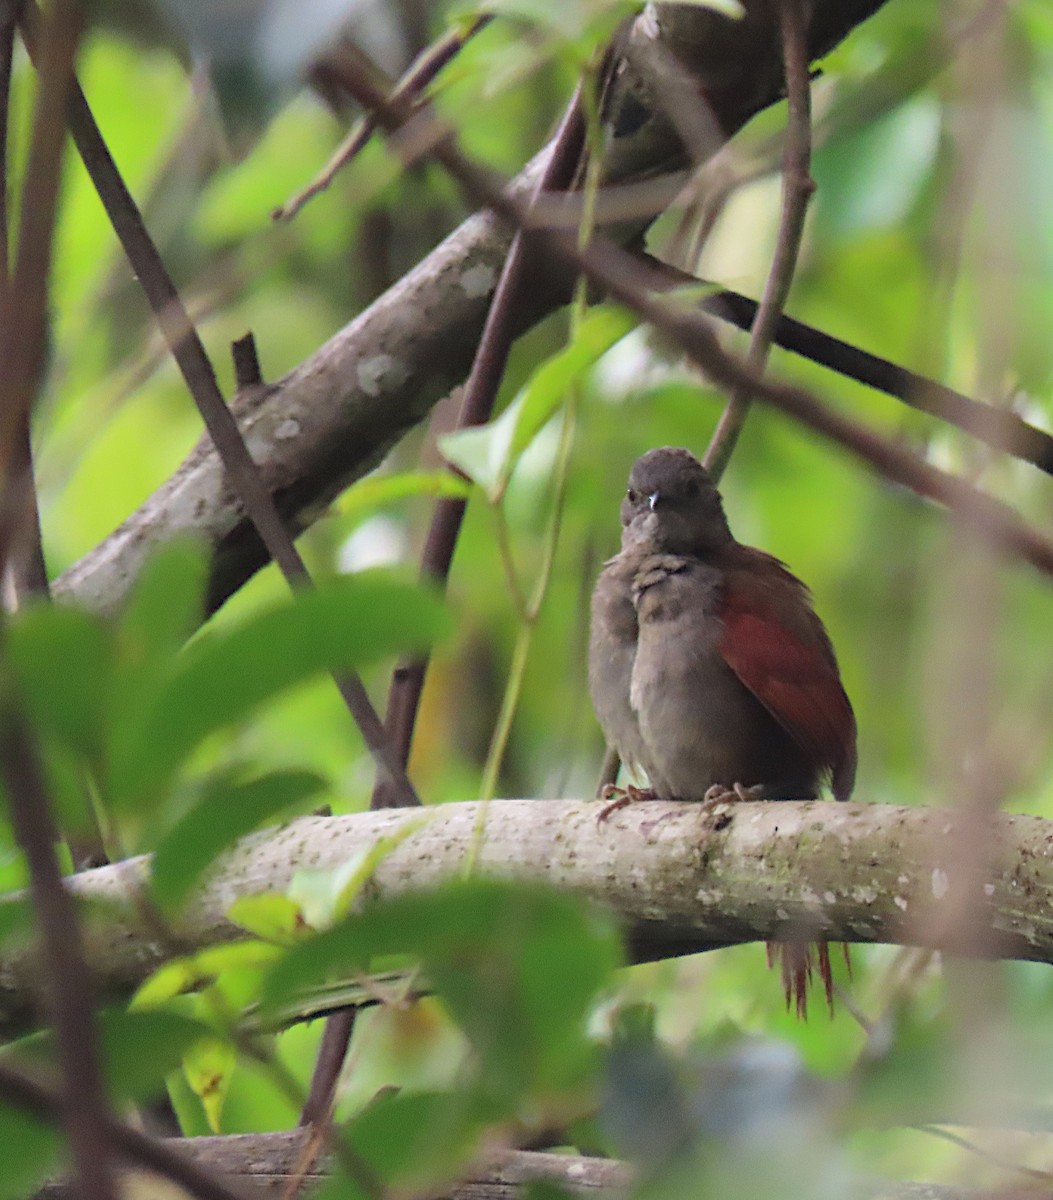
[67, 983]
[247, 371]
[797, 188]
[189, 353]
[28, 570]
[998, 428]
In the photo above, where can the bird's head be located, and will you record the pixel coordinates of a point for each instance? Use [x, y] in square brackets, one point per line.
[672, 504]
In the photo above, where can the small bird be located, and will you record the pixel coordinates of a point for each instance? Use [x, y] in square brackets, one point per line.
[710, 670]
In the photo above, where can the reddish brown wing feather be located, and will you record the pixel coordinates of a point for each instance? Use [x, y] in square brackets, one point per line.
[795, 679]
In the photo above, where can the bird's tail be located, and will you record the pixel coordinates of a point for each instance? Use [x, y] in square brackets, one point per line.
[798, 961]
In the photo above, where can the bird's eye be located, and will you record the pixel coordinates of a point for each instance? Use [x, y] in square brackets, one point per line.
[691, 489]
[630, 495]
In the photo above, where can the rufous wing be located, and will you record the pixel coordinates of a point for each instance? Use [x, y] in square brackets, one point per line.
[792, 672]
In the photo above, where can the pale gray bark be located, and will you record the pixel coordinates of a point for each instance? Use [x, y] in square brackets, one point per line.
[679, 877]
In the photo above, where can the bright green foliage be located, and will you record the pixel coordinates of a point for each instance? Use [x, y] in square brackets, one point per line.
[490, 453]
[929, 242]
[224, 675]
[28, 1150]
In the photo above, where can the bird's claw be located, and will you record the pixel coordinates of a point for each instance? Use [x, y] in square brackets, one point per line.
[620, 797]
[720, 793]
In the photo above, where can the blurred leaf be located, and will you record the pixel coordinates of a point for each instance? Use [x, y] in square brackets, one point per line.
[138, 1050]
[166, 602]
[325, 896]
[376, 491]
[545, 1189]
[918, 1078]
[517, 966]
[16, 917]
[583, 24]
[207, 1067]
[29, 1152]
[870, 178]
[62, 659]
[227, 673]
[409, 1143]
[198, 970]
[269, 916]
[226, 811]
[488, 454]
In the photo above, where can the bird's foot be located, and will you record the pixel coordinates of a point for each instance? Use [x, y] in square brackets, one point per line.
[620, 797]
[720, 793]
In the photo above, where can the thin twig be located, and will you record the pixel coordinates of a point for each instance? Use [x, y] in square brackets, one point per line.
[965, 1144]
[28, 572]
[190, 356]
[628, 281]
[421, 72]
[797, 188]
[68, 982]
[23, 330]
[1000, 428]
[407, 681]
[476, 406]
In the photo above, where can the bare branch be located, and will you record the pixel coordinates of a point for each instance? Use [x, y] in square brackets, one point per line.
[797, 188]
[677, 876]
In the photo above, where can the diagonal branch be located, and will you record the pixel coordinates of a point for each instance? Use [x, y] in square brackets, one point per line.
[797, 188]
[334, 416]
[187, 349]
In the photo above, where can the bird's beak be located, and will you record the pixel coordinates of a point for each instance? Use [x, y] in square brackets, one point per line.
[652, 500]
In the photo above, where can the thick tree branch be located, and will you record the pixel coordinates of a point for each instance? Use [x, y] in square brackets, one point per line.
[336, 415]
[680, 878]
[270, 1161]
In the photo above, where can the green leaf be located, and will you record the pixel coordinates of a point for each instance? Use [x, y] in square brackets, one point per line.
[271, 917]
[62, 661]
[227, 673]
[550, 383]
[166, 603]
[225, 812]
[199, 970]
[545, 1189]
[408, 1144]
[376, 491]
[138, 1049]
[325, 896]
[488, 454]
[207, 1067]
[29, 1151]
[518, 967]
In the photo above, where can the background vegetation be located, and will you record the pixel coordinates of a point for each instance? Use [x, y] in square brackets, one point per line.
[928, 242]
